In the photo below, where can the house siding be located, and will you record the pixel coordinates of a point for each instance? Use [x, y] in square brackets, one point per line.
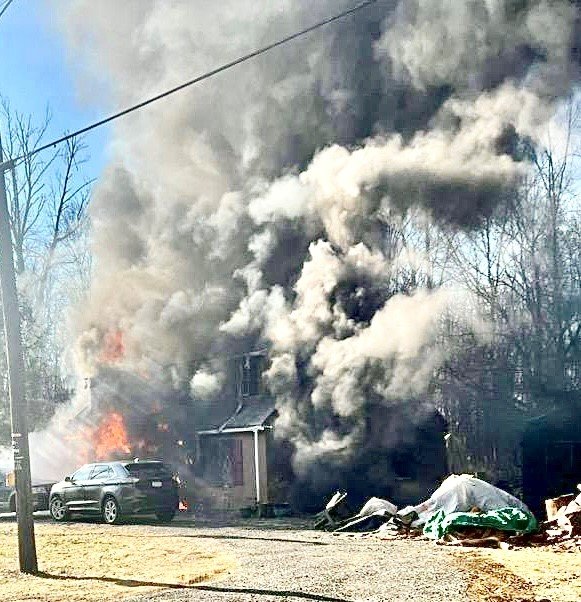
[236, 496]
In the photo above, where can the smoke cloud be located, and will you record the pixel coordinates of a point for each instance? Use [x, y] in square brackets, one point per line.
[267, 204]
[206, 385]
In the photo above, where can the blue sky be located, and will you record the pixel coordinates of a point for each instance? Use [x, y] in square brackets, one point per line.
[35, 72]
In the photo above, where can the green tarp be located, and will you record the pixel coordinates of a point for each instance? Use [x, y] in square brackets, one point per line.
[505, 519]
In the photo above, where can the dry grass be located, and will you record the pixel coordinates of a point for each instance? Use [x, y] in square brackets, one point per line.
[522, 575]
[555, 575]
[490, 581]
[80, 562]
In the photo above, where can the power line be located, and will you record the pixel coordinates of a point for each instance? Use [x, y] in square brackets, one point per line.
[5, 7]
[190, 82]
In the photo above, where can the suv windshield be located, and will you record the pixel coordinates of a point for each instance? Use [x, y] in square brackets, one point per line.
[83, 473]
[148, 470]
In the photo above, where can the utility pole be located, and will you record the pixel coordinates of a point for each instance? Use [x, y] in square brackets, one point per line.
[18, 407]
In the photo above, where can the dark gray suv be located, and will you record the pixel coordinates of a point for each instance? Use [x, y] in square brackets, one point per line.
[117, 489]
[40, 493]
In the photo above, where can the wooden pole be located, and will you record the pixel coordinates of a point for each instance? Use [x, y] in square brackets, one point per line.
[18, 407]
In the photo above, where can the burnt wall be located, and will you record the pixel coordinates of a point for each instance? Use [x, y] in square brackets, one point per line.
[551, 449]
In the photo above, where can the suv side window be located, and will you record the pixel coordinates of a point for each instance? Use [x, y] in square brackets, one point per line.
[118, 471]
[83, 473]
[100, 471]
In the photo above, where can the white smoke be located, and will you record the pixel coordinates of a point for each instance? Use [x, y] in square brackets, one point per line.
[474, 44]
[265, 204]
[206, 385]
[64, 445]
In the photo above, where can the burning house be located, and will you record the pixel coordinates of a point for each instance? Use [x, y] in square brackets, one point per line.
[116, 415]
[243, 461]
[234, 433]
[296, 207]
[227, 448]
[137, 418]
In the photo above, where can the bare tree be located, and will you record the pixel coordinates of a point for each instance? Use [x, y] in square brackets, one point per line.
[48, 196]
[66, 213]
[522, 266]
[26, 186]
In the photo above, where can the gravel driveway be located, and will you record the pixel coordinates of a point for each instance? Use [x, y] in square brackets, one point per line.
[281, 561]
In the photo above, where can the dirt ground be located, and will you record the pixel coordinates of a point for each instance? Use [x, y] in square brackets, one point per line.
[272, 560]
[94, 562]
[548, 574]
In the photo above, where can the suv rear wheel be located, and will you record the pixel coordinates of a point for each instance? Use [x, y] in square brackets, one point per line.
[58, 509]
[111, 512]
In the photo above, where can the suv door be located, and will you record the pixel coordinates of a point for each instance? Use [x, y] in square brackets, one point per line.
[101, 476]
[73, 492]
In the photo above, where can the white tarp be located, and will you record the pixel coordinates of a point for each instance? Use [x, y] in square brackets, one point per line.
[462, 493]
[377, 505]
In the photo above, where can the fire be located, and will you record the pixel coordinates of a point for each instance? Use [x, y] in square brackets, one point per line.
[113, 347]
[111, 437]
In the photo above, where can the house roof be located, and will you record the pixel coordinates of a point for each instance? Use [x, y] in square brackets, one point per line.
[213, 415]
[253, 413]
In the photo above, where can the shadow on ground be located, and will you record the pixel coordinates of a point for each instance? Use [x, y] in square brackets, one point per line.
[185, 521]
[205, 588]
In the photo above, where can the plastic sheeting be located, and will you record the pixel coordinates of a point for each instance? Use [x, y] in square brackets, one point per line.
[504, 519]
[376, 505]
[372, 515]
[463, 493]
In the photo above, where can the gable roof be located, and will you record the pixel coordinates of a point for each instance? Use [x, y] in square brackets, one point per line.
[211, 416]
[253, 413]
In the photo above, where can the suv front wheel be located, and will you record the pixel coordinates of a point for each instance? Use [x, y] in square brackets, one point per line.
[111, 512]
[58, 509]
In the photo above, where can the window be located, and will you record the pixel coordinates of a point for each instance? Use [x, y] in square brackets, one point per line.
[83, 473]
[223, 461]
[251, 375]
[245, 389]
[101, 472]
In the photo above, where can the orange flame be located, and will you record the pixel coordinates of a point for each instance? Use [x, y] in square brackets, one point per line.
[111, 437]
[113, 347]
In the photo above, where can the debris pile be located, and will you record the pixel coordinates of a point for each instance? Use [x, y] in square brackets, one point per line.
[463, 511]
[563, 527]
[335, 514]
[339, 518]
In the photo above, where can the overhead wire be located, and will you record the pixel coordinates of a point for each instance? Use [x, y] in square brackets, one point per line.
[224, 67]
[5, 7]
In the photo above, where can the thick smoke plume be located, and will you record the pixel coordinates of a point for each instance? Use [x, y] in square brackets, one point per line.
[263, 206]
